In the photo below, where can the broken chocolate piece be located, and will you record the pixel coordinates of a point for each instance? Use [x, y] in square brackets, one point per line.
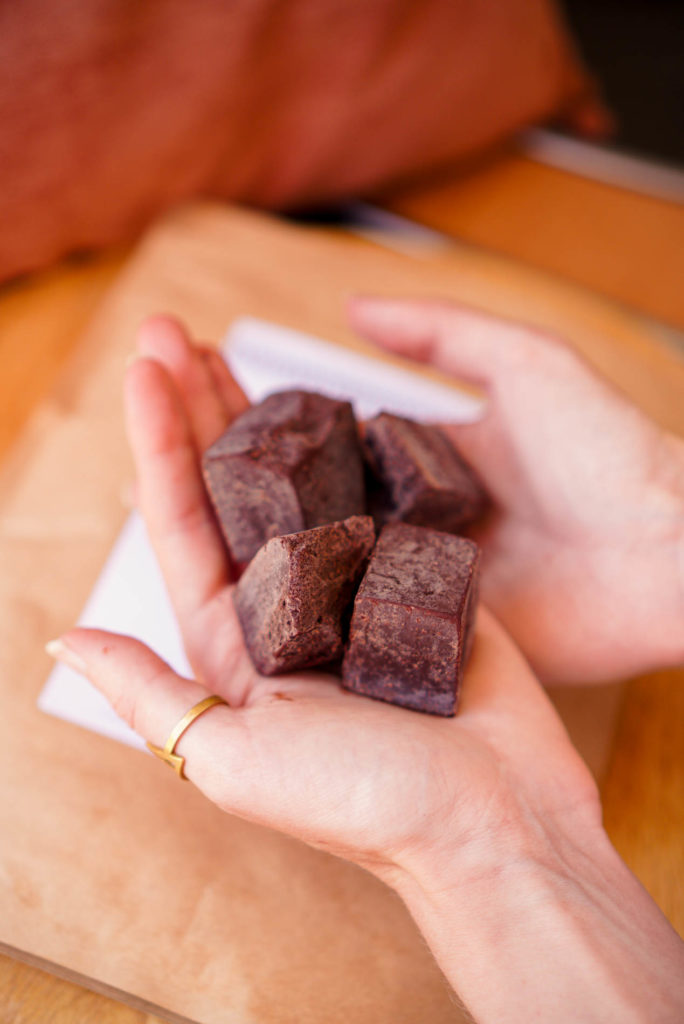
[292, 598]
[290, 463]
[412, 625]
[420, 478]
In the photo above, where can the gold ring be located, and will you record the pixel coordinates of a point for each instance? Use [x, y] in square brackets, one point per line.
[166, 752]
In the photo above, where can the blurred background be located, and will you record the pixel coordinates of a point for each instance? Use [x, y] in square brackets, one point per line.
[521, 155]
[636, 49]
[549, 134]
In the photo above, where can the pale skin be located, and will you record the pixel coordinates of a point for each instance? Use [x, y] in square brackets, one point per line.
[488, 825]
[584, 555]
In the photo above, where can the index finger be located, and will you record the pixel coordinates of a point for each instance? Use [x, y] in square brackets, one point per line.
[468, 343]
[173, 499]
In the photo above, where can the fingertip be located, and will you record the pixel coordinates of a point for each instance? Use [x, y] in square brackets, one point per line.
[160, 322]
[79, 646]
[402, 326]
[86, 641]
[141, 687]
[384, 318]
[61, 651]
[144, 378]
[164, 337]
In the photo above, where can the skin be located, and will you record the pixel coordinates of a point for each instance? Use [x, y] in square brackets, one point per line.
[583, 556]
[488, 825]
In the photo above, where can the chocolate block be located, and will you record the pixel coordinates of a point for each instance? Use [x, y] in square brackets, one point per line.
[420, 478]
[290, 463]
[412, 626]
[292, 598]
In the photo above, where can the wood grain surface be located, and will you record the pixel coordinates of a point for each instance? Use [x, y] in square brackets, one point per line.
[41, 319]
[644, 787]
[29, 995]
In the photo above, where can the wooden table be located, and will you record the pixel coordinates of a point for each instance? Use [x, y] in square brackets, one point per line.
[625, 245]
[41, 319]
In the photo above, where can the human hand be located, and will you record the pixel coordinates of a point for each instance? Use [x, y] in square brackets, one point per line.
[298, 752]
[583, 558]
[451, 812]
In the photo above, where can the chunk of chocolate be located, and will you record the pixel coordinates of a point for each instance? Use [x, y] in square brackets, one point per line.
[290, 463]
[412, 625]
[420, 478]
[292, 598]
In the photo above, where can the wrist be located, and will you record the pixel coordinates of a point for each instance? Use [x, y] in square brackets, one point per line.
[521, 860]
[556, 930]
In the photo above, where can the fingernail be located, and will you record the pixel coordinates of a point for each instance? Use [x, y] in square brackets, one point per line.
[61, 652]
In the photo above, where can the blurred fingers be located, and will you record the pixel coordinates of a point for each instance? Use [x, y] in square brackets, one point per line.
[460, 341]
[166, 340]
[227, 388]
[173, 498]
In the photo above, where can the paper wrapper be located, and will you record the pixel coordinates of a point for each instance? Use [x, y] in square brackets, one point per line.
[110, 869]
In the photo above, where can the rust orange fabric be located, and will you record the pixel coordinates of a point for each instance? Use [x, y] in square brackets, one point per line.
[111, 110]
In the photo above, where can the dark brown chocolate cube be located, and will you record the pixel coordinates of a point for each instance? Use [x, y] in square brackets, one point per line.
[291, 463]
[419, 477]
[292, 598]
[412, 626]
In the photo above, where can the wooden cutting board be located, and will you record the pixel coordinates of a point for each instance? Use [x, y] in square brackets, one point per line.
[110, 871]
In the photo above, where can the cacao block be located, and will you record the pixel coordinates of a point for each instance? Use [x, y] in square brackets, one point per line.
[290, 463]
[412, 626]
[293, 598]
[417, 476]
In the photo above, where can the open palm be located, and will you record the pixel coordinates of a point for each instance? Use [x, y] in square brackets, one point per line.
[366, 780]
[583, 557]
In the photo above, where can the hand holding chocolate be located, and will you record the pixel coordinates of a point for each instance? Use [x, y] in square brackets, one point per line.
[286, 482]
